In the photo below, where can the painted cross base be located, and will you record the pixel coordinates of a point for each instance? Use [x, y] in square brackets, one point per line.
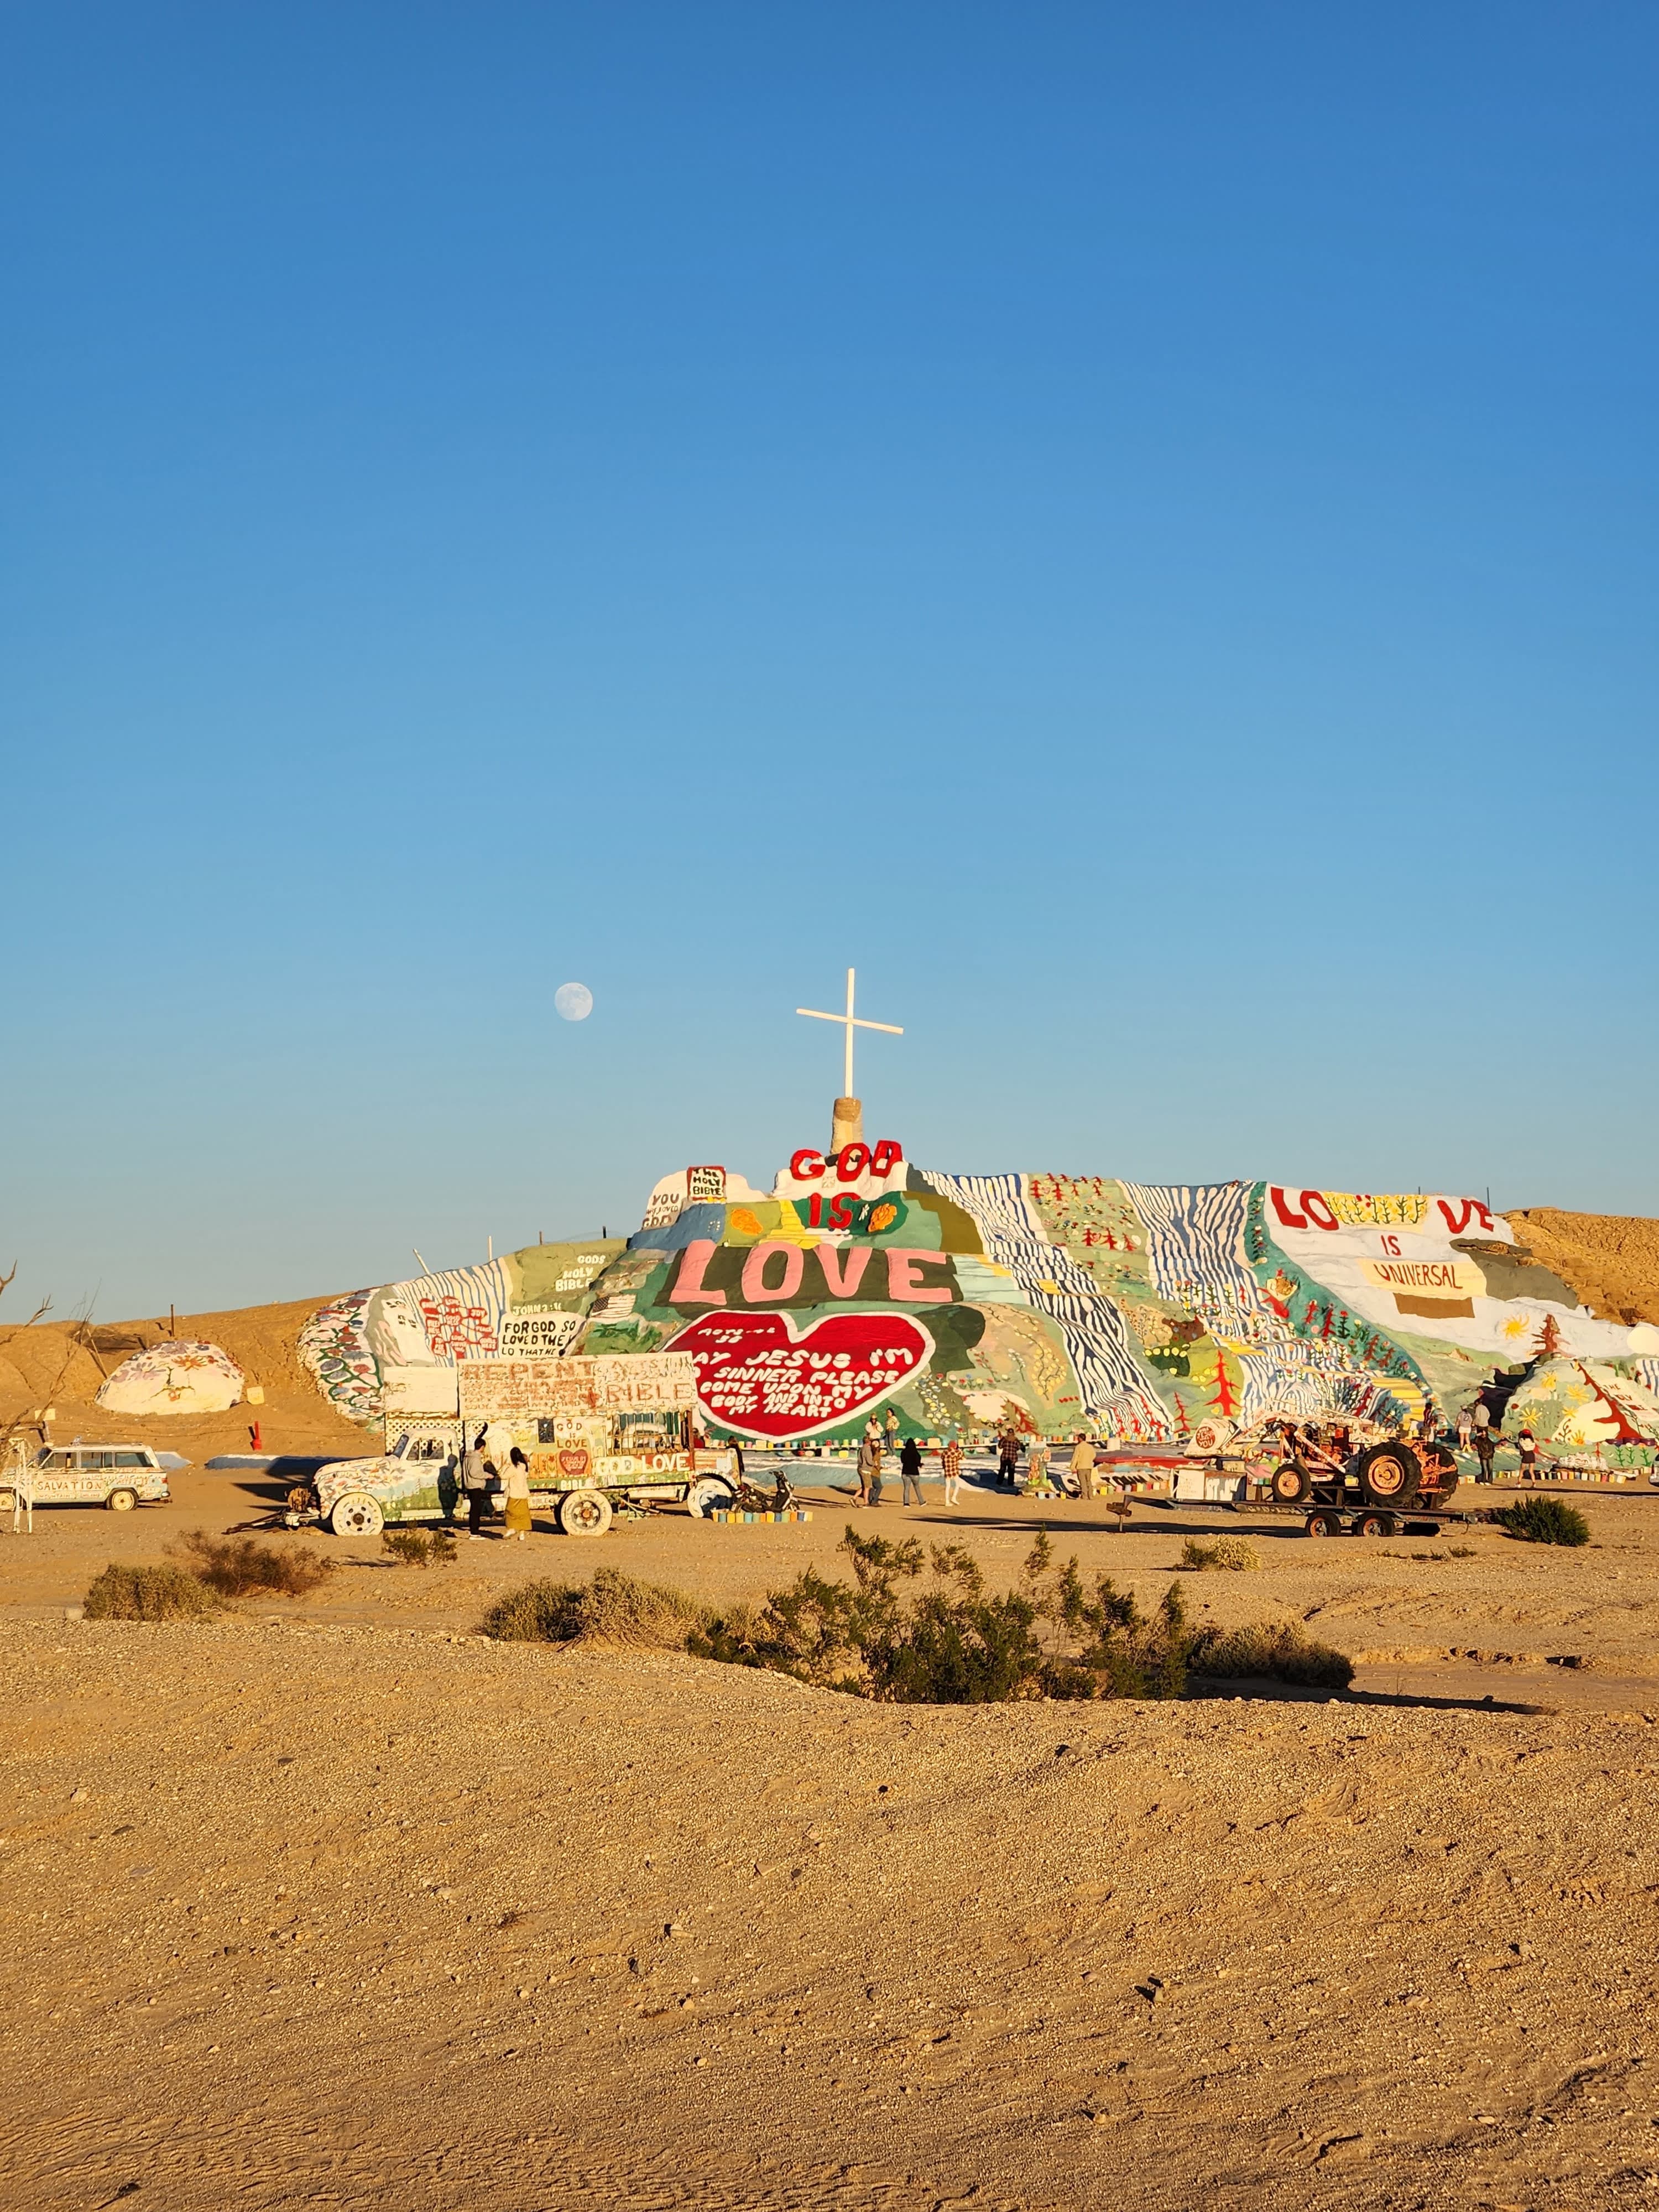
[846, 1123]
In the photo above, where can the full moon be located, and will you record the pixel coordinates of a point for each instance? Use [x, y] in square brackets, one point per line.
[574, 1001]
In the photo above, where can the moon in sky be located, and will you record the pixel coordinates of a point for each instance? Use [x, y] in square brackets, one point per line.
[574, 1001]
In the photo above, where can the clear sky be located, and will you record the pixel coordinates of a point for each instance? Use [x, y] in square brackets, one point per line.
[1134, 525]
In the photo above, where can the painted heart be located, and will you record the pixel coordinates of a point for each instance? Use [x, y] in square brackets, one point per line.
[759, 1374]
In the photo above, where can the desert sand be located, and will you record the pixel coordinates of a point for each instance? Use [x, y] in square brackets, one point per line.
[336, 1902]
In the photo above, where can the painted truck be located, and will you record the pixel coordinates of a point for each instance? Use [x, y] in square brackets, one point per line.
[595, 1432]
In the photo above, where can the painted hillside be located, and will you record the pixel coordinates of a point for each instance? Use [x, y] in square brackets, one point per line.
[1059, 1302]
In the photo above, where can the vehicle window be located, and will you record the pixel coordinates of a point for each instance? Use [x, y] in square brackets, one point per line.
[52, 1459]
[130, 1459]
[100, 1461]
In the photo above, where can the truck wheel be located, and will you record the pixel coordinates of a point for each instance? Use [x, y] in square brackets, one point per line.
[8, 1500]
[1388, 1475]
[709, 1494]
[1290, 1484]
[1377, 1524]
[357, 1513]
[1324, 1525]
[583, 1513]
[121, 1501]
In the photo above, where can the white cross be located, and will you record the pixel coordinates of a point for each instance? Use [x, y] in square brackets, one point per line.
[852, 1022]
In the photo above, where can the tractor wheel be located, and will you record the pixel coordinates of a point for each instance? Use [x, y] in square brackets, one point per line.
[1389, 1474]
[1291, 1484]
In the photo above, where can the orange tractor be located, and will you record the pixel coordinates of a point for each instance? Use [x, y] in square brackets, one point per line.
[1365, 1491]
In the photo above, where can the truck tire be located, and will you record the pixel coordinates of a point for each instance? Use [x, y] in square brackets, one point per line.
[121, 1501]
[357, 1513]
[709, 1494]
[7, 1499]
[583, 1513]
[1290, 1484]
[1388, 1475]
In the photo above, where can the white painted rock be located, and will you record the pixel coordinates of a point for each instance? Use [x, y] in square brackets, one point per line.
[174, 1378]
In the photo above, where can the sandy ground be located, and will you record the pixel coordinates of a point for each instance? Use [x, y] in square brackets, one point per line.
[335, 1902]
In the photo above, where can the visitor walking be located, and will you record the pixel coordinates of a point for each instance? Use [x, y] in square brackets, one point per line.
[870, 1463]
[1083, 1467]
[950, 1460]
[910, 1472]
[474, 1481]
[518, 1494]
[1528, 1456]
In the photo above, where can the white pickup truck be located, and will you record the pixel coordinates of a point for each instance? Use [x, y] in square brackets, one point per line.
[117, 1476]
[415, 1481]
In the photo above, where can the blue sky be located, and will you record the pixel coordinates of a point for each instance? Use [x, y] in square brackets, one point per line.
[1134, 526]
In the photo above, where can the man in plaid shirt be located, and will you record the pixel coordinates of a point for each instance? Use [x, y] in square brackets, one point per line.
[950, 1458]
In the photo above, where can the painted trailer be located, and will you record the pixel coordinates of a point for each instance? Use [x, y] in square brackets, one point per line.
[596, 1433]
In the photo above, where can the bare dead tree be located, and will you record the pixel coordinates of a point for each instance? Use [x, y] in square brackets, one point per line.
[11, 1430]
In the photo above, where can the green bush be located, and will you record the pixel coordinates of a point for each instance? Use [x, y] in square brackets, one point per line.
[148, 1594]
[413, 1547]
[613, 1608]
[1233, 1554]
[1544, 1521]
[1273, 1652]
[952, 1643]
[247, 1567]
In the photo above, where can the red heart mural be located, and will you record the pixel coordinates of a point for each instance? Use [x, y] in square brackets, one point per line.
[758, 1374]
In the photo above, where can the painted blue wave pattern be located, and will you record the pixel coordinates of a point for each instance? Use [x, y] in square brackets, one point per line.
[1115, 1396]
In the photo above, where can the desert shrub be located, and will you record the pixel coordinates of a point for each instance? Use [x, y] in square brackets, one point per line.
[1233, 1554]
[1275, 1651]
[164, 1593]
[243, 1567]
[613, 1608]
[1544, 1521]
[413, 1547]
[951, 1641]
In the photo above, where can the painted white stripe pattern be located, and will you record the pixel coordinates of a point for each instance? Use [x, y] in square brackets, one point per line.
[1115, 1396]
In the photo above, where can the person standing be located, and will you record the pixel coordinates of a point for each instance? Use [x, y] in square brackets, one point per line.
[474, 1481]
[869, 1462]
[1528, 1456]
[950, 1460]
[518, 1494]
[890, 1422]
[1465, 1426]
[1486, 1445]
[910, 1472]
[1008, 1458]
[1083, 1466]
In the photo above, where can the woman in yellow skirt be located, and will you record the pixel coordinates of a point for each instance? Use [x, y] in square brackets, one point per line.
[518, 1495]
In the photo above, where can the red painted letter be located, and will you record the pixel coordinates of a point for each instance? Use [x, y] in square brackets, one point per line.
[886, 1156]
[851, 1161]
[806, 1165]
[1314, 1207]
[1290, 1220]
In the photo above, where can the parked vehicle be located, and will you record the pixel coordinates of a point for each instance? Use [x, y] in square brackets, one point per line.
[595, 1432]
[116, 1476]
[1365, 1490]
